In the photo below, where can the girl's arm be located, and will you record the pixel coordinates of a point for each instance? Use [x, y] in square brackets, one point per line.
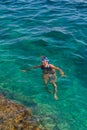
[34, 67]
[57, 68]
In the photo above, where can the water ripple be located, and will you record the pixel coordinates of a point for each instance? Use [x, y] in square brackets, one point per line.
[57, 29]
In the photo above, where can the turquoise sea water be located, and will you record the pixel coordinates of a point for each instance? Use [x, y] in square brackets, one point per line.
[57, 29]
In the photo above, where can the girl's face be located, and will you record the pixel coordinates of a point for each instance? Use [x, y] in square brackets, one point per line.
[45, 63]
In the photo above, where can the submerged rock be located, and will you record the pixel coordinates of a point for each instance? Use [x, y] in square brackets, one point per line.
[16, 117]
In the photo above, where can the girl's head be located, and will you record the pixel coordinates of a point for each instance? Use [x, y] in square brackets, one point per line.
[44, 59]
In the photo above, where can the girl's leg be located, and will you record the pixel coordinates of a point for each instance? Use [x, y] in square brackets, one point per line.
[53, 82]
[55, 90]
[45, 79]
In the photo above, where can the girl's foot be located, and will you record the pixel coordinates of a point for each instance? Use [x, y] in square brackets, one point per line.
[55, 97]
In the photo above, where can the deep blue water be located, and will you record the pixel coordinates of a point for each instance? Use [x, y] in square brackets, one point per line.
[57, 29]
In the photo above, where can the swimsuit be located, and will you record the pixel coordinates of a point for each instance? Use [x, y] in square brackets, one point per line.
[50, 71]
[47, 69]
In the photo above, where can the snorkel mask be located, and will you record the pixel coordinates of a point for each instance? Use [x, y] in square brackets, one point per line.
[43, 58]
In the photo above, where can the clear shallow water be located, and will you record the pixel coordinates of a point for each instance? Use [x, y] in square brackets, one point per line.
[54, 28]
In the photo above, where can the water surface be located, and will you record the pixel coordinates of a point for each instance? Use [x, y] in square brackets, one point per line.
[57, 29]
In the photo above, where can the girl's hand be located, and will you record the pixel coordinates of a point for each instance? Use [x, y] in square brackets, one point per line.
[63, 75]
[24, 70]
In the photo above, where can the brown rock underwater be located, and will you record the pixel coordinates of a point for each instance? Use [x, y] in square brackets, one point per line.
[14, 116]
